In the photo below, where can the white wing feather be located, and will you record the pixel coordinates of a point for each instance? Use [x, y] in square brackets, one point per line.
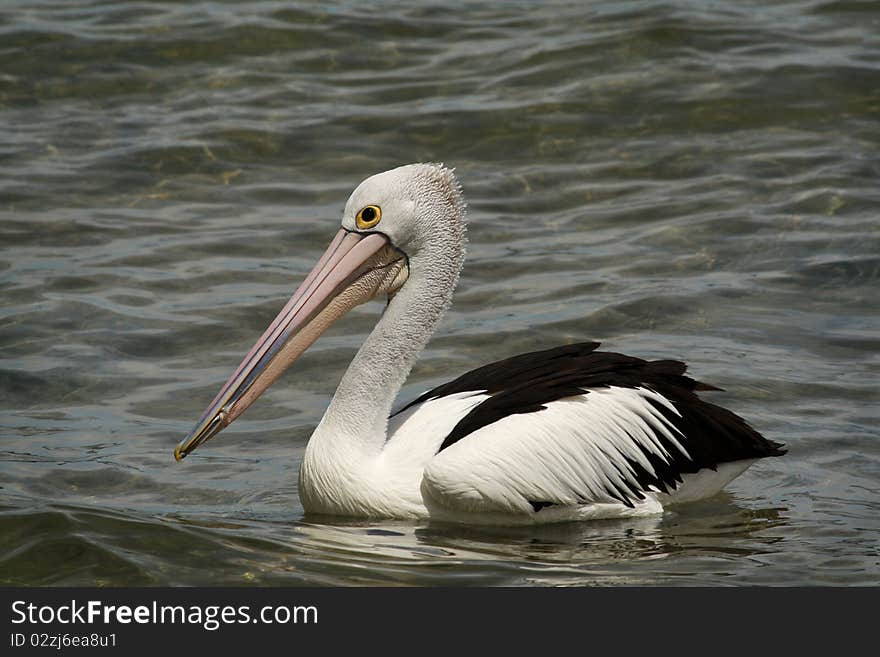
[571, 453]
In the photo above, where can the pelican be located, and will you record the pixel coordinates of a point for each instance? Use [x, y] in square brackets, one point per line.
[569, 433]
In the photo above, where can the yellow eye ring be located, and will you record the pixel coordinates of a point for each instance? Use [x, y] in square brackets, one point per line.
[368, 217]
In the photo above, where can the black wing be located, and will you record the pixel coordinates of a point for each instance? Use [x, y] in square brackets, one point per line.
[528, 382]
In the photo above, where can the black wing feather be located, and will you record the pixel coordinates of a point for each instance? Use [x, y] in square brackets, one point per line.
[528, 382]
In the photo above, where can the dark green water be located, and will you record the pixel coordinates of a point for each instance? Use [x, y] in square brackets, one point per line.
[679, 180]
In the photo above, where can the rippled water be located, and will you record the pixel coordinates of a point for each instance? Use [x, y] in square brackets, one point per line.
[679, 180]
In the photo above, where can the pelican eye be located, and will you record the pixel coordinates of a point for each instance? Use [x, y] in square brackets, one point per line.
[368, 216]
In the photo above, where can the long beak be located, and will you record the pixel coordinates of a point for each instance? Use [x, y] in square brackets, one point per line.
[354, 268]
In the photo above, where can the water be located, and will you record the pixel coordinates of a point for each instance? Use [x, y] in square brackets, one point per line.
[679, 180]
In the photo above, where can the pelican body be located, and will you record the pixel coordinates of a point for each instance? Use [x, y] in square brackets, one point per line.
[563, 434]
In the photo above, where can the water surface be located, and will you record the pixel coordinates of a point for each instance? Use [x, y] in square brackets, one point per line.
[678, 180]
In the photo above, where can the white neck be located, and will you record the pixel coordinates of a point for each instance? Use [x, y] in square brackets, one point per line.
[354, 429]
[363, 400]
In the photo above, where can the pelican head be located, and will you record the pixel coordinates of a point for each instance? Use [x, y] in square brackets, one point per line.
[395, 223]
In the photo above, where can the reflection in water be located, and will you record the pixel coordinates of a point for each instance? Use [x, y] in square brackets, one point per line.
[80, 546]
[567, 553]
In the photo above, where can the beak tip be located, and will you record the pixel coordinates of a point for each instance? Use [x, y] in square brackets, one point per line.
[178, 454]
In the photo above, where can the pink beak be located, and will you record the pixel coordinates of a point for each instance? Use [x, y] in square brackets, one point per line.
[327, 293]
